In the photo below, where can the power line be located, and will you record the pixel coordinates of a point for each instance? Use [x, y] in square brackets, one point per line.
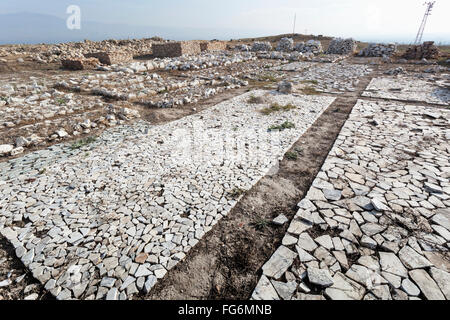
[419, 36]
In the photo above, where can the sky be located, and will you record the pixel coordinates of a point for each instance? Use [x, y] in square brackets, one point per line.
[396, 20]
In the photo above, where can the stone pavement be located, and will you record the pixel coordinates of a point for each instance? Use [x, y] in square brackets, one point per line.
[408, 89]
[375, 223]
[111, 218]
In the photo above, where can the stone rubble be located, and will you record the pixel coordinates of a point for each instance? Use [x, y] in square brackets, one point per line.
[285, 45]
[427, 50]
[378, 50]
[261, 46]
[311, 46]
[342, 46]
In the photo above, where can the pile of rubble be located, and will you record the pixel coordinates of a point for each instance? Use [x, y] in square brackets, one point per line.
[277, 55]
[312, 46]
[395, 71]
[285, 45]
[242, 47]
[425, 51]
[92, 60]
[261, 46]
[378, 50]
[44, 53]
[207, 60]
[342, 46]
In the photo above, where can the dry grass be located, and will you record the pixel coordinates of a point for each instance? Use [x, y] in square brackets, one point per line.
[255, 100]
[276, 108]
[310, 91]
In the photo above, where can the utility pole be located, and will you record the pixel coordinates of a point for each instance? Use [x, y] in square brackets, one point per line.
[419, 36]
[295, 20]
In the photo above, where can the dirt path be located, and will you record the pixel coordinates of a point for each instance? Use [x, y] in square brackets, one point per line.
[226, 263]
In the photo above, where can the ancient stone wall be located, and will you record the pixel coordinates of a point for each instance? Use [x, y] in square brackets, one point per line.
[425, 51]
[109, 58]
[176, 49]
[213, 46]
[80, 63]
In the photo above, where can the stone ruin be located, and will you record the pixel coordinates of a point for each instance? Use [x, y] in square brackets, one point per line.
[342, 46]
[242, 47]
[261, 46]
[312, 46]
[79, 63]
[213, 46]
[176, 49]
[109, 58]
[285, 45]
[425, 51]
[378, 50]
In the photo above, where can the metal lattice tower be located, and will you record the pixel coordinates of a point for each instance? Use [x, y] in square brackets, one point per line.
[430, 6]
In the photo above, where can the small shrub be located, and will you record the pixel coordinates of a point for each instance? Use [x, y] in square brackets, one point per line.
[61, 101]
[283, 126]
[236, 192]
[255, 100]
[292, 155]
[260, 224]
[311, 81]
[83, 142]
[276, 107]
[310, 91]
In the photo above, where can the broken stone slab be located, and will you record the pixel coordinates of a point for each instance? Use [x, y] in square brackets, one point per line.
[368, 242]
[297, 227]
[308, 297]
[412, 260]
[426, 284]
[278, 264]
[410, 288]
[306, 242]
[304, 256]
[378, 205]
[382, 292]
[364, 276]
[371, 229]
[285, 290]
[280, 220]
[332, 195]
[391, 263]
[325, 241]
[442, 218]
[264, 290]
[442, 279]
[320, 277]
[344, 288]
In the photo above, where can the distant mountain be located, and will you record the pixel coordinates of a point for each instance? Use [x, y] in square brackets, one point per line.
[29, 28]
